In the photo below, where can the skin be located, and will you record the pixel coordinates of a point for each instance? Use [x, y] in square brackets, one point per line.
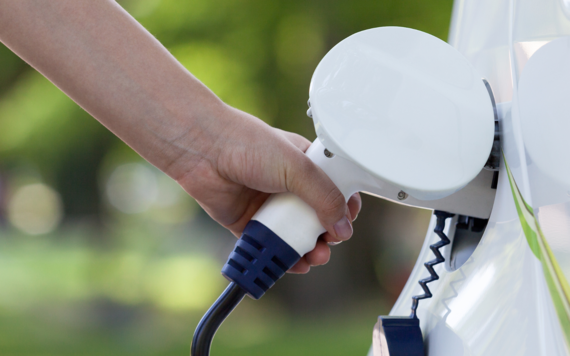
[228, 160]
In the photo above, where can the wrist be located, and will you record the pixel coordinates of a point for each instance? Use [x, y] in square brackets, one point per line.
[194, 138]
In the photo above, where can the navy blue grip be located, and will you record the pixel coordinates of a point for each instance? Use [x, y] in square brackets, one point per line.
[403, 335]
[259, 259]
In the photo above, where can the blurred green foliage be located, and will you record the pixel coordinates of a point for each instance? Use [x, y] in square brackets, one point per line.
[114, 283]
[256, 55]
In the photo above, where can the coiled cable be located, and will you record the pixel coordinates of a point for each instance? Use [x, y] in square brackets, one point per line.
[439, 226]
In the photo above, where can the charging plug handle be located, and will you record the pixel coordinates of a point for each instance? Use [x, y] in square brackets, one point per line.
[259, 259]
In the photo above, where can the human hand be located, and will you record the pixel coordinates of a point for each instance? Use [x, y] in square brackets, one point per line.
[229, 161]
[249, 160]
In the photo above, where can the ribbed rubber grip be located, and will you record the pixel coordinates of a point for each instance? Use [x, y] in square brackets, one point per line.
[259, 259]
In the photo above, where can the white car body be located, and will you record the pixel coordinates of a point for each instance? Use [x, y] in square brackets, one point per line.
[511, 297]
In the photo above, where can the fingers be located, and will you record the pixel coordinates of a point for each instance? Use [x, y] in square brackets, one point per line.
[354, 205]
[319, 256]
[299, 141]
[310, 183]
[301, 267]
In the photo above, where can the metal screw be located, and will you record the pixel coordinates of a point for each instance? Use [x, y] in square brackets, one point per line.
[328, 154]
[402, 195]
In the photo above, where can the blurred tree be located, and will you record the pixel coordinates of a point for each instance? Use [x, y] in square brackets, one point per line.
[256, 55]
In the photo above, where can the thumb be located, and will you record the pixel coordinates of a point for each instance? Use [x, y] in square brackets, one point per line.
[310, 183]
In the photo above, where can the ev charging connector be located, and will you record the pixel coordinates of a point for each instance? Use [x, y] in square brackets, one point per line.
[395, 110]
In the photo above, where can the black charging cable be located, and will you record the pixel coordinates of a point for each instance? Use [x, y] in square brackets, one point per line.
[213, 318]
[258, 260]
[433, 276]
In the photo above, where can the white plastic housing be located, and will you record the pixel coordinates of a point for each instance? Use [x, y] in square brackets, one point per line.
[544, 111]
[406, 107]
[297, 223]
[401, 110]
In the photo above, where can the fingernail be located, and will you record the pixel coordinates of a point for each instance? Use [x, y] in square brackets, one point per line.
[333, 243]
[343, 229]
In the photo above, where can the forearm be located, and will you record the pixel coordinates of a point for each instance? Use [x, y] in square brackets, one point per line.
[110, 65]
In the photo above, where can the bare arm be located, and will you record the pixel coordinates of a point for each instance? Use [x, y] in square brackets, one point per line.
[227, 160]
[110, 65]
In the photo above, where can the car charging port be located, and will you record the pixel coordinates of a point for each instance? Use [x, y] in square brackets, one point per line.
[465, 234]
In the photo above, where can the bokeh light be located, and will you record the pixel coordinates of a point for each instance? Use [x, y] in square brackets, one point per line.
[132, 188]
[139, 188]
[135, 262]
[35, 209]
